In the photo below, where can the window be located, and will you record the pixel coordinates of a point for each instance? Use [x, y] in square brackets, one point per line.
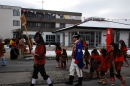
[38, 15]
[49, 25]
[29, 15]
[50, 38]
[38, 24]
[16, 13]
[29, 24]
[62, 25]
[16, 23]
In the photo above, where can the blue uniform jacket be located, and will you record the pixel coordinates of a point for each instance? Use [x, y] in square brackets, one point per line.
[78, 54]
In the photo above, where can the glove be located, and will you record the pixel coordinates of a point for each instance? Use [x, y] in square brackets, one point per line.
[76, 61]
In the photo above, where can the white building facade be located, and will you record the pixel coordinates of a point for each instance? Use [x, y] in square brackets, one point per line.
[94, 32]
[9, 20]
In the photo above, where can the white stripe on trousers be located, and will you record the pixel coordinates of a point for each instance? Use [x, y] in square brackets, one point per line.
[74, 67]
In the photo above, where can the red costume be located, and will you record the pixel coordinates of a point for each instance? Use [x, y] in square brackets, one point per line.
[39, 58]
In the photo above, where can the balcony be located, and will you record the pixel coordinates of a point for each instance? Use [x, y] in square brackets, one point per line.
[40, 29]
[69, 21]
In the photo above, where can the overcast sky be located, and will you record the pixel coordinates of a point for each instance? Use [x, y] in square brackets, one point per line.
[113, 9]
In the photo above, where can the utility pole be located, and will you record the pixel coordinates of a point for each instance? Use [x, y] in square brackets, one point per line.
[40, 3]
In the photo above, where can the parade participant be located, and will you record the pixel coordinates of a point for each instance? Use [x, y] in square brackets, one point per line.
[39, 60]
[86, 57]
[124, 49]
[94, 63]
[14, 52]
[22, 46]
[103, 66]
[115, 59]
[58, 55]
[2, 51]
[12, 43]
[64, 58]
[77, 61]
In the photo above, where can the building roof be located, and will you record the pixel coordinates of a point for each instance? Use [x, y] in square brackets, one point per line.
[103, 24]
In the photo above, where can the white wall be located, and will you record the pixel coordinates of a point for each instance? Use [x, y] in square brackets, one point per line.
[6, 22]
[124, 35]
[57, 25]
[103, 38]
[66, 38]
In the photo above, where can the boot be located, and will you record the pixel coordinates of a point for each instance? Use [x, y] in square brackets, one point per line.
[3, 62]
[123, 83]
[32, 84]
[70, 82]
[79, 81]
[49, 82]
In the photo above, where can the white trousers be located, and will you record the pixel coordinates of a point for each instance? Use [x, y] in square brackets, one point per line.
[74, 67]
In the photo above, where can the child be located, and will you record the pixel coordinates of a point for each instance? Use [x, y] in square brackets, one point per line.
[2, 51]
[94, 62]
[103, 66]
[58, 55]
[63, 59]
[86, 57]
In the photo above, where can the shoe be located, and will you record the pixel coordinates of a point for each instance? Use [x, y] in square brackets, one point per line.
[100, 82]
[104, 82]
[3, 65]
[123, 83]
[127, 65]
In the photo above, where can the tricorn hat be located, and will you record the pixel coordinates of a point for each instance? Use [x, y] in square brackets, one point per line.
[75, 35]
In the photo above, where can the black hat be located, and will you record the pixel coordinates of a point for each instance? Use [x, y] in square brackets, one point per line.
[76, 35]
[37, 34]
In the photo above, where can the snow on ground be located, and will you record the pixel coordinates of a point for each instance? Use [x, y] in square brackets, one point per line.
[52, 53]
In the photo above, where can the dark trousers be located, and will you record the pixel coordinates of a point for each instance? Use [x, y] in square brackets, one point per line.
[102, 73]
[41, 69]
[63, 63]
[118, 75]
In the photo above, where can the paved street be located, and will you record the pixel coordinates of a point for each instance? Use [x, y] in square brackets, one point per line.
[19, 72]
